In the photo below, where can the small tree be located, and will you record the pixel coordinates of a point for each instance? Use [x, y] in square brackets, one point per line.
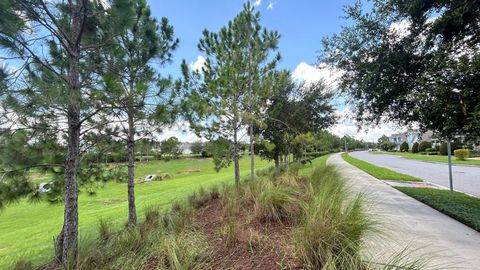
[139, 97]
[404, 147]
[385, 144]
[229, 92]
[197, 147]
[171, 147]
[309, 111]
[415, 147]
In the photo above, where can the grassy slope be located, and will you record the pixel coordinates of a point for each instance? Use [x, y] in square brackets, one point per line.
[376, 171]
[442, 159]
[26, 230]
[320, 162]
[459, 206]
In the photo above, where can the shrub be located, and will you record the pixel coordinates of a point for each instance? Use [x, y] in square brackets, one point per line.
[104, 230]
[422, 147]
[415, 147]
[462, 154]
[454, 146]
[333, 225]
[404, 147]
[277, 203]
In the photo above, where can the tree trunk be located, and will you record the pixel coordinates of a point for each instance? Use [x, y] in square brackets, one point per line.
[277, 161]
[67, 241]
[252, 154]
[69, 233]
[236, 163]
[132, 212]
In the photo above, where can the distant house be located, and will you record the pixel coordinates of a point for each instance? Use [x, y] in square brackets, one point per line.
[411, 136]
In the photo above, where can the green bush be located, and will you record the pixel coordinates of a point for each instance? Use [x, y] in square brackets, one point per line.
[454, 145]
[404, 147]
[422, 147]
[415, 148]
[462, 154]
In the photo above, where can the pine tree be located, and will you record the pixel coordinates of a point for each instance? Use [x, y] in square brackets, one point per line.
[140, 98]
[50, 95]
[228, 93]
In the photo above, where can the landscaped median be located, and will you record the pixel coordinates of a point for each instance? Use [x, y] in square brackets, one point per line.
[378, 172]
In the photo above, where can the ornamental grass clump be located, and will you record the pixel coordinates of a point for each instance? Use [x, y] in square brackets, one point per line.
[334, 224]
[278, 204]
[161, 242]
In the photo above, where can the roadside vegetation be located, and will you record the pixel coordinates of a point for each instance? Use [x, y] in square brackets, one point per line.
[36, 223]
[432, 158]
[279, 220]
[457, 205]
[377, 171]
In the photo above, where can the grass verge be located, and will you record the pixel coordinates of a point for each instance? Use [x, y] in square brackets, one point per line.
[430, 158]
[457, 205]
[377, 171]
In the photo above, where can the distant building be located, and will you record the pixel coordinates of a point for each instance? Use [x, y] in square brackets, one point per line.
[411, 136]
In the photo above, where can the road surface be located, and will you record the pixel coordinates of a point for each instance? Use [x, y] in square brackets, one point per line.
[411, 225]
[465, 178]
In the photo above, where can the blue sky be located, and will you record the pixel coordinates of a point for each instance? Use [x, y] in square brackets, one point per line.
[301, 23]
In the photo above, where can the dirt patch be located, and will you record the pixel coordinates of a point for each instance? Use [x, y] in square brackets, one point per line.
[257, 245]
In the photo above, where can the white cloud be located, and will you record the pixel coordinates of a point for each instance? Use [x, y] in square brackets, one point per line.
[181, 130]
[401, 28]
[309, 74]
[257, 3]
[270, 5]
[347, 126]
[198, 64]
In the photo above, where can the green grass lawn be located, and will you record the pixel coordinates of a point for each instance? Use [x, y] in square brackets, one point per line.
[320, 162]
[378, 172]
[27, 230]
[434, 158]
[457, 205]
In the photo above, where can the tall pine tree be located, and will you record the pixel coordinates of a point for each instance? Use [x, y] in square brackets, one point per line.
[140, 99]
[227, 94]
[55, 45]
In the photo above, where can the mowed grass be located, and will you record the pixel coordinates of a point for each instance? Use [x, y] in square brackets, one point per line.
[431, 158]
[27, 230]
[318, 163]
[377, 171]
[457, 205]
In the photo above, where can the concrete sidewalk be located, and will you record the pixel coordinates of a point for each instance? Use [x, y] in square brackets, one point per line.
[410, 224]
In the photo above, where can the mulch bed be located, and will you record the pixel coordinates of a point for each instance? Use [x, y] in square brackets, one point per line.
[258, 245]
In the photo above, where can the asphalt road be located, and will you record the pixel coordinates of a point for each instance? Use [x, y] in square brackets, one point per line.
[465, 178]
